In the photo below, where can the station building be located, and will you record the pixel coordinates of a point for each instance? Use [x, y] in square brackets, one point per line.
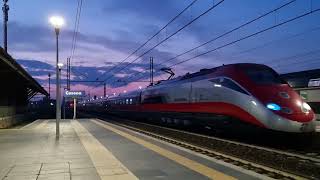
[17, 88]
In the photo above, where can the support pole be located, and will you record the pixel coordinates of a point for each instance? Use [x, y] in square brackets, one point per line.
[74, 108]
[49, 75]
[151, 71]
[104, 90]
[58, 103]
[67, 73]
[64, 108]
[5, 10]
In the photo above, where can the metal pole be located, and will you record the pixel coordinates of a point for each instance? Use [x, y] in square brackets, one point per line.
[104, 90]
[49, 85]
[58, 110]
[74, 108]
[152, 71]
[5, 10]
[67, 73]
[64, 108]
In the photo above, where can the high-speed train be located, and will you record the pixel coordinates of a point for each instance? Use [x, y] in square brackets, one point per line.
[236, 95]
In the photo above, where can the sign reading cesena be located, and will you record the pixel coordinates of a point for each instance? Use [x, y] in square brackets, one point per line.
[74, 93]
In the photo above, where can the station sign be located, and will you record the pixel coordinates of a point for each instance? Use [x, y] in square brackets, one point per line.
[74, 93]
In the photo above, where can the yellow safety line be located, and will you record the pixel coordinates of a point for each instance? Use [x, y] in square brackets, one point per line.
[107, 166]
[42, 124]
[193, 165]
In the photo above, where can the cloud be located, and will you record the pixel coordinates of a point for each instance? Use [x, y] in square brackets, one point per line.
[40, 70]
[37, 42]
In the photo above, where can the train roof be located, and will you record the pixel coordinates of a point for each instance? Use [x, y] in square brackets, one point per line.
[208, 71]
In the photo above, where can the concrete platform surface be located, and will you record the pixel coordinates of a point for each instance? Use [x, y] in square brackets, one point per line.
[92, 149]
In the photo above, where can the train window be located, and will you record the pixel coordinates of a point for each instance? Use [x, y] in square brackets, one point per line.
[127, 101]
[153, 100]
[130, 101]
[263, 75]
[229, 84]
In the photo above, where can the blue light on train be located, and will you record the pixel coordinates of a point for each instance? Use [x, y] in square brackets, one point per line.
[273, 106]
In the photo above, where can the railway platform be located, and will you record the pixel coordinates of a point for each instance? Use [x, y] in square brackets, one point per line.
[94, 149]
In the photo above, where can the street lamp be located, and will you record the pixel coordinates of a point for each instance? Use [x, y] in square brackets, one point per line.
[57, 22]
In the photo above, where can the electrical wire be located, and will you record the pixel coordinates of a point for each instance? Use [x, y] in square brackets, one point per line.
[246, 37]
[176, 32]
[229, 32]
[149, 39]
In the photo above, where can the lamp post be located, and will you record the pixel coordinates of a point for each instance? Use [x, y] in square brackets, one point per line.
[57, 23]
[5, 9]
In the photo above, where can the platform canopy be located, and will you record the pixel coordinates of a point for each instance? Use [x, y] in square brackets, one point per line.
[13, 77]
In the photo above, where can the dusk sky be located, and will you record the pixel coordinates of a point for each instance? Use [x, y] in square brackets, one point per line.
[110, 30]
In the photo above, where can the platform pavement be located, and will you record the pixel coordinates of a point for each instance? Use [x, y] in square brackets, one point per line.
[91, 149]
[34, 153]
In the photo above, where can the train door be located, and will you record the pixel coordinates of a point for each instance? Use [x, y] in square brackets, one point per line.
[179, 93]
[205, 91]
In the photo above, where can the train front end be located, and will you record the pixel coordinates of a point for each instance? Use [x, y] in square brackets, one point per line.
[279, 107]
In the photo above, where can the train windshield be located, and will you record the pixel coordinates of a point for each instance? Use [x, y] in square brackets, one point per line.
[263, 75]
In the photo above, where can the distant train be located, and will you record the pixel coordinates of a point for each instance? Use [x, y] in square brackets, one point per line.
[236, 95]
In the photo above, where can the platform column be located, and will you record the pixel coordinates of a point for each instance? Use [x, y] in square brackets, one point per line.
[74, 108]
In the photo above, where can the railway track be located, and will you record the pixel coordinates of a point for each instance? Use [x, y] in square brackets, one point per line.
[276, 164]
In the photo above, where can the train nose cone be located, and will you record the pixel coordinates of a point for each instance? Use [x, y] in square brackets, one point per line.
[292, 106]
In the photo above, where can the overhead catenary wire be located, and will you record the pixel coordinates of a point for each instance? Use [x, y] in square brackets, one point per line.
[168, 37]
[278, 60]
[176, 32]
[275, 41]
[75, 37]
[76, 29]
[233, 30]
[150, 38]
[228, 32]
[246, 37]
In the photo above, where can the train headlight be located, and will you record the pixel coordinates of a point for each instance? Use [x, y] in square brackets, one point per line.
[274, 107]
[305, 107]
